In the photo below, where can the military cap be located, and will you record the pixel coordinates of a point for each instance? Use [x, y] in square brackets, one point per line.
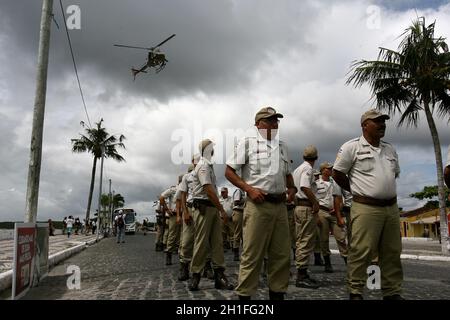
[310, 152]
[373, 114]
[267, 112]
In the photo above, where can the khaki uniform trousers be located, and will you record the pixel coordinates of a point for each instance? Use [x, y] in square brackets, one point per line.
[237, 217]
[207, 239]
[227, 231]
[160, 234]
[291, 222]
[375, 230]
[166, 231]
[265, 232]
[173, 237]
[306, 231]
[317, 248]
[187, 241]
[329, 222]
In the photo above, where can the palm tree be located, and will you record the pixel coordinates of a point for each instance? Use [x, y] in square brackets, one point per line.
[96, 140]
[413, 79]
[118, 201]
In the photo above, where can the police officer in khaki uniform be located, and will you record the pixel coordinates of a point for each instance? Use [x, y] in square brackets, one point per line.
[368, 167]
[168, 203]
[227, 228]
[317, 249]
[187, 231]
[237, 218]
[327, 193]
[447, 169]
[306, 219]
[207, 224]
[265, 174]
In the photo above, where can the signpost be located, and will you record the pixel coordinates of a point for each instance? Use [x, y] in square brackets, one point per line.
[24, 240]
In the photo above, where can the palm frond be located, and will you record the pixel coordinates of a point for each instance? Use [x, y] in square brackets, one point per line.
[410, 115]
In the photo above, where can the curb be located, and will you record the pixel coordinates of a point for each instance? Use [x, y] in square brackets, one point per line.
[414, 257]
[6, 277]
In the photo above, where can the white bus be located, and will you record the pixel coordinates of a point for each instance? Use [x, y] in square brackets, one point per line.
[130, 219]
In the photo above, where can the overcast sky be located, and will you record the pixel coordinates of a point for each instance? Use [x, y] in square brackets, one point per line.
[229, 58]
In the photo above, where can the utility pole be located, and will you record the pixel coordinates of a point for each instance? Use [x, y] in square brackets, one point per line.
[100, 192]
[34, 166]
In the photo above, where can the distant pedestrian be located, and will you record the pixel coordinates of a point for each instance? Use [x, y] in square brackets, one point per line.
[119, 221]
[368, 167]
[64, 226]
[69, 225]
[51, 228]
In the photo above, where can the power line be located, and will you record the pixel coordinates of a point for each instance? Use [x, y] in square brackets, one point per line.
[74, 64]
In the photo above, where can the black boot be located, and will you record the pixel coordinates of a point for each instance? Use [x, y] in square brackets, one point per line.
[318, 259]
[193, 285]
[304, 281]
[184, 271]
[208, 271]
[328, 266]
[276, 295]
[236, 254]
[158, 246]
[221, 281]
[168, 258]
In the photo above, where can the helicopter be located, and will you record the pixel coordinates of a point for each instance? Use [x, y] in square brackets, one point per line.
[156, 59]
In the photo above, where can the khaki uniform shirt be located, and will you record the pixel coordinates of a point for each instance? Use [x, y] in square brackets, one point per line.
[264, 164]
[371, 171]
[325, 192]
[238, 197]
[303, 177]
[169, 197]
[186, 186]
[203, 174]
[227, 205]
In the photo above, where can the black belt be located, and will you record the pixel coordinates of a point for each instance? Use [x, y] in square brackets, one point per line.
[275, 198]
[202, 202]
[324, 208]
[290, 206]
[374, 202]
[304, 202]
[239, 209]
[189, 204]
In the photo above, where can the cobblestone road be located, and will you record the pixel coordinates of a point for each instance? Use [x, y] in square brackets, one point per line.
[133, 270]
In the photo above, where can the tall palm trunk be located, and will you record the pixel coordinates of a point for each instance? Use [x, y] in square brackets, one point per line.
[91, 190]
[445, 242]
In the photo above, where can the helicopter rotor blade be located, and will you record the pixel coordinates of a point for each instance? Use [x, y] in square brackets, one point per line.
[163, 42]
[123, 46]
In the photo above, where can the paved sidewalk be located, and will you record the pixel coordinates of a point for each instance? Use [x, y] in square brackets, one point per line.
[60, 248]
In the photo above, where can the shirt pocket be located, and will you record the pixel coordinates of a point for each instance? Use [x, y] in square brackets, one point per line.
[365, 162]
[392, 162]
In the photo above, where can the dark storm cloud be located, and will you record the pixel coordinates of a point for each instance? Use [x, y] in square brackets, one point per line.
[228, 59]
[218, 43]
[402, 5]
